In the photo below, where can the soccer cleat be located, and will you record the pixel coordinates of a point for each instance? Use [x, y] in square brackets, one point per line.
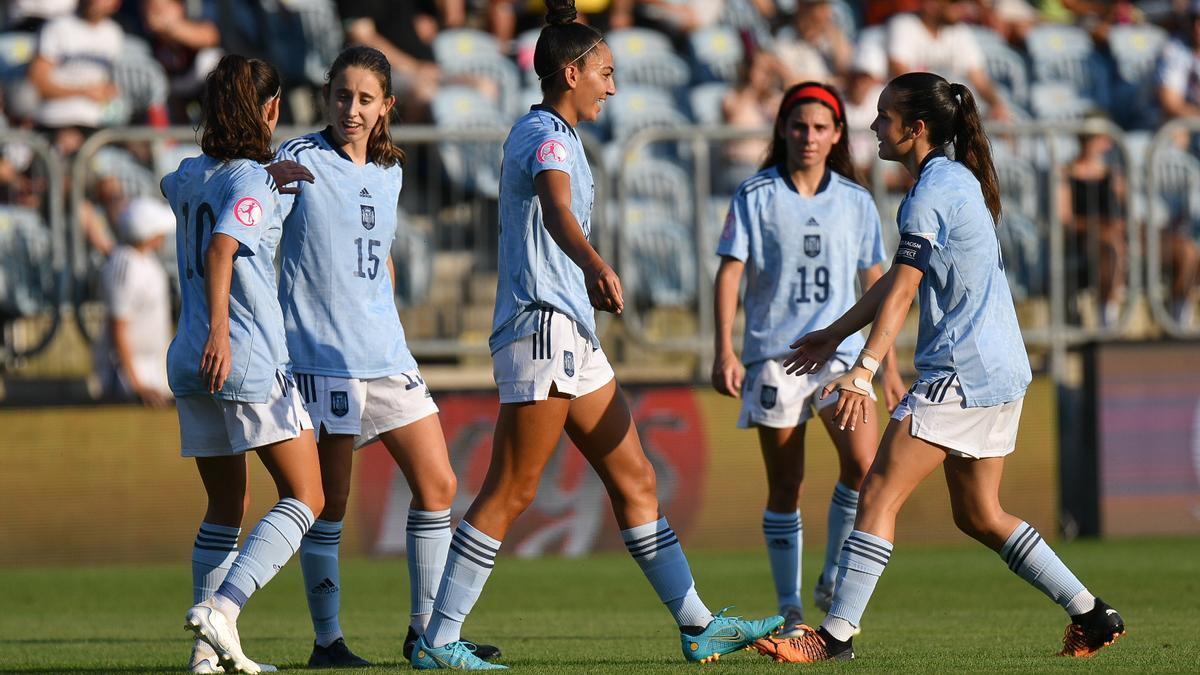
[204, 660]
[823, 594]
[208, 623]
[725, 634]
[793, 624]
[458, 655]
[1091, 631]
[815, 645]
[485, 652]
[336, 655]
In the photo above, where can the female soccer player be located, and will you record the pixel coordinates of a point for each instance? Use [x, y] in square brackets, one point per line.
[963, 411]
[228, 364]
[354, 369]
[549, 367]
[804, 226]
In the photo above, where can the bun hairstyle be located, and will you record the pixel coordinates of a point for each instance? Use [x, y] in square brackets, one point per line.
[380, 148]
[839, 158]
[951, 116]
[562, 43]
[231, 109]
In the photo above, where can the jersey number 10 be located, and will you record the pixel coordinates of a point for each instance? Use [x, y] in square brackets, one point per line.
[195, 264]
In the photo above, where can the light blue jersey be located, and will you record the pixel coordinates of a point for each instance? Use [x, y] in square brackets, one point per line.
[968, 324]
[534, 271]
[802, 257]
[338, 306]
[235, 198]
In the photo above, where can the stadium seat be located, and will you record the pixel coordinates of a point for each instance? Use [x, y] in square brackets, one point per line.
[526, 45]
[632, 43]
[322, 35]
[142, 83]
[1063, 53]
[1006, 67]
[663, 269]
[1177, 178]
[1135, 50]
[27, 275]
[717, 52]
[705, 101]
[660, 186]
[1021, 246]
[468, 53]
[474, 166]
[636, 108]
[16, 51]
[1058, 101]
[413, 262]
[136, 180]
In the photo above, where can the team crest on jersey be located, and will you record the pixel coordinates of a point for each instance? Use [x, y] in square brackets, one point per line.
[247, 211]
[368, 216]
[727, 231]
[812, 245]
[569, 363]
[551, 151]
[812, 222]
[768, 396]
[339, 403]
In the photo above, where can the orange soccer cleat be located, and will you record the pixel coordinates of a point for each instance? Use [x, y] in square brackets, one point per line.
[1090, 632]
[812, 646]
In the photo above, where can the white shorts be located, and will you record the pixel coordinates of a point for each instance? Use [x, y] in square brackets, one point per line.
[940, 416]
[558, 355]
[772, 398]
[365, 408]
[213, 427]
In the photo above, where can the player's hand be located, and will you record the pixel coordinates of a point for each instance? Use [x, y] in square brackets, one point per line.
[727, 375]
[811, 352]
[893, 388]
[215, 361]
[854, 399]
[604, 288]
[289, 171]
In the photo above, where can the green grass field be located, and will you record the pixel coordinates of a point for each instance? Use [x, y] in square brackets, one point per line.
[938, 609]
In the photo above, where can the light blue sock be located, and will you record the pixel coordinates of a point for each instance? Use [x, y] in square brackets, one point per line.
[468, 565]
[843, 509]
[270, 545]
[863, 558]
[212, 555]
[1034, 561]
[427, 542]
[784, 534]
[322, 580]
[657, 551]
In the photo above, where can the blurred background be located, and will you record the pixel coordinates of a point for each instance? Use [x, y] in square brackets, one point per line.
[1093, 109]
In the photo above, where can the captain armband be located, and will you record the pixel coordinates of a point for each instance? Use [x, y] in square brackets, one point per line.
[914, 251]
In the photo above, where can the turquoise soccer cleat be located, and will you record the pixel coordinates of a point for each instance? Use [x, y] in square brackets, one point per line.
[454, 656]
[726, 634]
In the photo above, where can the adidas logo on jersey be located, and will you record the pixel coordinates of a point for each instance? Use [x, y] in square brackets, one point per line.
[364, 193]
[812, 222]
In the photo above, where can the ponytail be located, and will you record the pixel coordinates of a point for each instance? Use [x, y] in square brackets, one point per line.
[563, 42]
[231, 109]
[972, 148]
[380, 148]
[951, 116]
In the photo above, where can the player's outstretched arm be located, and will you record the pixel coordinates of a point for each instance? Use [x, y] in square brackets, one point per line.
[727, 370]
[603, 285]
[811, 351]
[215, 360]
[893, 384]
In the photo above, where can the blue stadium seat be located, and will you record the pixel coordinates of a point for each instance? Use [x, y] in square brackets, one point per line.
[1021, 246]
[27, 275]
[470, 53]
[632, 43]
[472, 165]
[646, 57]
[323, 33]
[705, 101]
[414, 262]
[1062, 53]
[136, 180]
[1177, 176]
[636, 108]
[660, 186]
[1058, 101]
[1005, 66]
[717, 52]
[1135, 50]
[662, 272]
[1019, 183]
[526, 44]
[16, 51]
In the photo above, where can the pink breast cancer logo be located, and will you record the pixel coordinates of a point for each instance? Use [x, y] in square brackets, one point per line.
[552, 151]
[248, 211]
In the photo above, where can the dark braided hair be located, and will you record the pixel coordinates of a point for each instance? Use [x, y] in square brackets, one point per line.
[561, 43]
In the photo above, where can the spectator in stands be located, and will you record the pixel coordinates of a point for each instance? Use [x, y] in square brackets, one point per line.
[73, 72]
[678, 18]
[751, 104]
[131, 359]
[815, 25]
[933, 40]
[1179, 70]
[186, 47]
[864, 82]
[1091, 200]
[28, 16]
[404, 32]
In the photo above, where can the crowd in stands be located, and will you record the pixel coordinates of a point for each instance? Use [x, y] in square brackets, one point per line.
[71, 67]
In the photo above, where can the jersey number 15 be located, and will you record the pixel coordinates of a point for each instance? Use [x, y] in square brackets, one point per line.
[366, 254]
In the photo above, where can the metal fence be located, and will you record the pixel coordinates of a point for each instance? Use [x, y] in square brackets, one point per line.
[661, 195]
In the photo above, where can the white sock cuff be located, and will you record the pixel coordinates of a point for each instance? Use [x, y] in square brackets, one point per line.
[467, 528]
[845, 497]
[643, 530]
[428, 524]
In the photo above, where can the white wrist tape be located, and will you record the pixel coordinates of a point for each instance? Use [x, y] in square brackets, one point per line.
[869, 360]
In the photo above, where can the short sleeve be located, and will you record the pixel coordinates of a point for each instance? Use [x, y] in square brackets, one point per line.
[551, 152]
[50, 42]
[871, 253]
[918, 217]
[250, 201]
[967, 54]
[1172, 71]
[735, 235]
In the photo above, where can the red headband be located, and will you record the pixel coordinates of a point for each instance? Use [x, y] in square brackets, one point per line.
[819, 94]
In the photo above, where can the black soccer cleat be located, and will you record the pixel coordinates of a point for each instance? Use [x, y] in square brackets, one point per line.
[1091, 631]
[485, 652]
[336, 655]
